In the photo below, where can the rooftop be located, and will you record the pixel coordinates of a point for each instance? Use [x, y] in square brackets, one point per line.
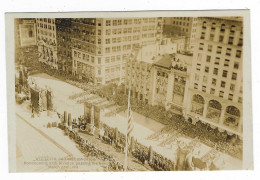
[164, 61]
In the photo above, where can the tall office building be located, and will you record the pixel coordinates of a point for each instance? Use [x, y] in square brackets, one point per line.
[216, 80]
[100, 46]
[64, 47]
[46, 41]
[182, 26]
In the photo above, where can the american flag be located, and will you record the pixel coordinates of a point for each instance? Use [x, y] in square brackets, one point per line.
[130, 125]
[129, 129]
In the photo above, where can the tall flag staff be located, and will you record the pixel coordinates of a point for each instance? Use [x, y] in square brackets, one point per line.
[128, 130]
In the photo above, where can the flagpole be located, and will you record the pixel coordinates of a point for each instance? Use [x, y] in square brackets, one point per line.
[126, 138]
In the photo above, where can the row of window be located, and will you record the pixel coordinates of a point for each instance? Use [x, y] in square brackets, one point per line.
[183, 18]
[86, 57]
[122, 39]
[112, 69]
[47, 20]
[217, 61]
[181, 23]
[50, 27]
[223, 27]
[219, 50]
[46, 33]
[221, 93]
[214, 82]
[221, 39]
[215, 71]
[127, 30]
[120, 22]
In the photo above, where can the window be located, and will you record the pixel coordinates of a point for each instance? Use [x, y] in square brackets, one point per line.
[114, 31]
[211, 38]
[113, 40]
[238, 54]
[241, 89]
[221, 38]
[219, 50]
[107, 50]
[214, 81]
[210, 48]
[99, 41]
[201, 46]
[226, 63]
[223, 84]
[208, 58]
[217, 60]
[99, 32]
[92, 59]
[204, 25]
[230, 40]
[107, 59]
[107, 41]
[198, 67]
[204, 88]
[215, 71]
[230, 97]
[221, 94]
[108, 23]
[99, 60]
[240, 42]
[114, 22]
[114, 49]
[240, 100]
[202, 35]
[228, 52]
[222, 28]
[212, 91]
[195, 86]
[213, 27]
[119, 22]
[224, 74]
[206, 69]
[108, 32]
[234, 76]
[232, 87]
[113, 58]
[205, 79]
[236, 65]
[232, 30]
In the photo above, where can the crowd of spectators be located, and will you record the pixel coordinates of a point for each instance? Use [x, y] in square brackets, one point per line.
[89, 150]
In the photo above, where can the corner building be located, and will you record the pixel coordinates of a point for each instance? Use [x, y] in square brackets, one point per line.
[64, 48]
[216, 80]
[100, 46]
[46, 41]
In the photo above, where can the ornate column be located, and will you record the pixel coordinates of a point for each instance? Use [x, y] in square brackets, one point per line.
[222, 115]
[205, 108]
[170, 87]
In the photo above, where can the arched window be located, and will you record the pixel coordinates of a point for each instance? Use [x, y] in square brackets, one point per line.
[232, 110]
[198, 99]
[215, 104]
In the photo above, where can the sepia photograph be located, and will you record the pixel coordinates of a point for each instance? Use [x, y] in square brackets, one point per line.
[135, 92]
